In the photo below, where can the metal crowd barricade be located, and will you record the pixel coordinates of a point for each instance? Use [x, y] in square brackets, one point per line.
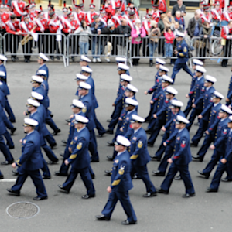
[99, 46]
[1, 43]
[211, 48]
[150, 49]
[51, 44]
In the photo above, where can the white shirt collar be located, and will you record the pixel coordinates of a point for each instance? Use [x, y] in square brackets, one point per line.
[180, 130]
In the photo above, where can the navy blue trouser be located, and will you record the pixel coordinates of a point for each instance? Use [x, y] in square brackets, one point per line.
[177, 67]
[5, 150]
[149, 117]
[115, 116]
[142, 172]
[221, 168]
[50, 139]
[8, 138]
[36, 178]
[195, 112]
[161, 148]
[202, 128]
[98, 125]
[49, 153]
[50, 122]
[188, 106]
[93, 146]
[124, 199]
[85, 176]
[155, 130]
[213, 161]
[185, 175]
[164, 162]
[207, 141]
[9, 110]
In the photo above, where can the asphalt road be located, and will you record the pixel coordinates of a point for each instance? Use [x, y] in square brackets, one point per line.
[64, 213]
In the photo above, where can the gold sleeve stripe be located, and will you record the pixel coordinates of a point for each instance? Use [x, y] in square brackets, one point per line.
[18, 163]
[181, 54]
[73, 157]
[116, 182]
[133, 157]
[121, 171]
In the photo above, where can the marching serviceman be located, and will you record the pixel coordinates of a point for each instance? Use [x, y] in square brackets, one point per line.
[225, 163]
[42, 62]
[181, 159]
[182, 56]
[214, 109]
[139, 154]
[30, 162]
[79, 159]
[218, 147]
[190, 96]
[121, 183]
[7, 92]
[197, 93]
[207, 98]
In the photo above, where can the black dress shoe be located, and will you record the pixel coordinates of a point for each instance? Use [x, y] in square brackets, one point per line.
[110, 158]
[92, 176]
[13, 59]
[100, 136]
[62, 190]
[193, 145]
[13, 193]
[150, 194]
[178, 177]
[37, 198]
[155, 158]
[52, 162]
[67, 120]
[110, 132]
[88, 196]
[158, 173]
[107, 173]
[58, 58]
[200, 158]
[15, 173]
[13, 121]
[136, 177]
[60, 174]
[57, 131]
[206, 176]
[126, 222]
[11, 147]
[149, 144]
[163, 191]
[53, 145]
[1, 177]
[110, 144]
[46, 177]
[64, 141]
[148, 131]
[209, 190]
[61, 154]
[7, 162]
[108, 120]
[226, 180]
[102, 218]
[13, 130]
[187, 195]
[95, 160]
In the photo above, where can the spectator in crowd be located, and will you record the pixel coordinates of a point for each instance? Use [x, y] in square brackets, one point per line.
[180, 20]
[169, 20]
[195, 25]
[96, 41]
[179, 7]
[138, 32]
[205, 36]
[162, 31]
[169, 37]
[84, 32]
[125, 30]
[154, 34]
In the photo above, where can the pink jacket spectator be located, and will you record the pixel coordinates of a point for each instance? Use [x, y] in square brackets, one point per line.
[169, 37]
[136, 39]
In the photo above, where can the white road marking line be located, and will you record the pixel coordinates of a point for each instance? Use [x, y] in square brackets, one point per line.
[7, 180]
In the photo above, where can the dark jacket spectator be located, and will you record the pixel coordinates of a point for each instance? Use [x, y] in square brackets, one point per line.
[125, 30]
[179, 7]
[195, 25]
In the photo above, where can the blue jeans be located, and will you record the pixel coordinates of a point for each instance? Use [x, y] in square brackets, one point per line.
[169, 49]
[152, 48]
[96, 43]
[84, 47]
